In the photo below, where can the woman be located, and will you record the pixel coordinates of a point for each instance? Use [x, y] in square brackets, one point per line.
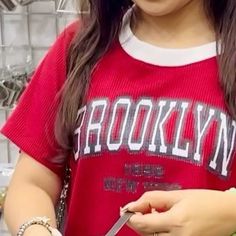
[140, 101]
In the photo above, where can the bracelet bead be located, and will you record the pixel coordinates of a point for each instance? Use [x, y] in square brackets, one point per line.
[43, 221]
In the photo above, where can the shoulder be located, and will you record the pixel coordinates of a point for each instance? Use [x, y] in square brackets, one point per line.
[69, 33]
[55, 59]
[72, 29]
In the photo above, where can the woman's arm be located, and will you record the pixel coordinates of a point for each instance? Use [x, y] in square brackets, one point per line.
[184, 212]
[33, 191]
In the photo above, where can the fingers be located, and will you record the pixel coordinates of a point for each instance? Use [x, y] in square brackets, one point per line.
[155, 213]
[149, 223]
[160, 200]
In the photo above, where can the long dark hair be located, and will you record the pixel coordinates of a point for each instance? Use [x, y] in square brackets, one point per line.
[98, 31]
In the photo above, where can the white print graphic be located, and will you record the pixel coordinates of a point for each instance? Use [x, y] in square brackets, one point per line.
[122, 103]
[81, 115]
[143, 103]
[177, 150]
[201, 129]
[95, 125]
[225, 145]
[159, 126]
[142, 125]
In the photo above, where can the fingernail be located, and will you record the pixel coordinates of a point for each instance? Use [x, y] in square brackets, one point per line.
[122, 212]
[127, 207]
[123, 209]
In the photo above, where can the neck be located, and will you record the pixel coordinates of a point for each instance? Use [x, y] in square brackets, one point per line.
[187, 27]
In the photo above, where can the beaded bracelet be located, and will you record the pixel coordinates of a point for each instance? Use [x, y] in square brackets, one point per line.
[35, 221]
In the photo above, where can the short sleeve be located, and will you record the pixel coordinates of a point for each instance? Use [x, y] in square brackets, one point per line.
[31, 125]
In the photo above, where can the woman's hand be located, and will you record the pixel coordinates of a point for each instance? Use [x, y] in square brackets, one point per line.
[184, 213]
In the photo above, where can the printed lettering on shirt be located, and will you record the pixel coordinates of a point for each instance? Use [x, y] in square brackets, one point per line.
[178, 149]
[203, 119]
[141, 126]
[117, 126]
[77, 138]
[94, 128]
[144, 170]
[151, 179]
[225, 142]
[158, 136]
[138, 131]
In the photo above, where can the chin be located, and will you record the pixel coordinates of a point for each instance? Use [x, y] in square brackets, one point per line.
[160, 7]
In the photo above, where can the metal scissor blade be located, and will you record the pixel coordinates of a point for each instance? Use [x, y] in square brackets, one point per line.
[119, 224]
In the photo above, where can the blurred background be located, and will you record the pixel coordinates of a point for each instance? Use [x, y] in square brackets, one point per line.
[27, 29]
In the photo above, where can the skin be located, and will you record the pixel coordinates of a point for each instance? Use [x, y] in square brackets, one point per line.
[184, 213]
[37, 190]
[161, 8]
[179, 24]
[168, 23]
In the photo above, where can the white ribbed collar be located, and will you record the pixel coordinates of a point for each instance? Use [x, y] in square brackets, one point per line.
[151, 54]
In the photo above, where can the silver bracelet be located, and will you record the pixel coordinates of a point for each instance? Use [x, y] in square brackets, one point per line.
[35, 221]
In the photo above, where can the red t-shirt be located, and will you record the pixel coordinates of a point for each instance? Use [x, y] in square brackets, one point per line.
[154, 119]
